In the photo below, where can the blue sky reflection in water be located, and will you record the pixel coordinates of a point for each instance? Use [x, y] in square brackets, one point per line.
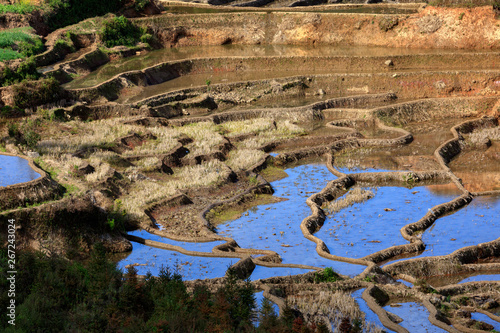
[14, 170]
[415, 317]
[375, 224]
[277, 226]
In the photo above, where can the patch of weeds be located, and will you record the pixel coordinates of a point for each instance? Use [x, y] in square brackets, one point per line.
[444, 308]
[327, 275]
[464, 300]
[253, 180]
[369, 278]
[52, 115]
[140, 5]
[8, 111]
[120, 31]
[18, 8]
[32, 93]
[461, 16]
[26, 134]
[53, 172]
[25, 71]
[70, 189]
[410, 179]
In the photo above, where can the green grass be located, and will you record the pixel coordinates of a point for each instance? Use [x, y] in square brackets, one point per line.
[14, 36]
[18, 43]
[18, 8]
[9, 54]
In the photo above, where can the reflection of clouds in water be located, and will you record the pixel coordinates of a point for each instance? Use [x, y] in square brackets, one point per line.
[15, 170]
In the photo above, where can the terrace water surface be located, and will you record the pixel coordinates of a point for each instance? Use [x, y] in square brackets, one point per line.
[15, 170]
[276, 226]
[374, 225]
[415, 317]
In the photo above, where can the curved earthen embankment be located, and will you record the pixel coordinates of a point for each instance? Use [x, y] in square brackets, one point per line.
[376, 295]
[84, 64]
[29, 193]
[420, 268]
[229, 248]
[350, 142]
[63, 226]
[165, 71]
[451, 148]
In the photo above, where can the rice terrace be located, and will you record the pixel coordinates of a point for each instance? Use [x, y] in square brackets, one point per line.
[250, 166]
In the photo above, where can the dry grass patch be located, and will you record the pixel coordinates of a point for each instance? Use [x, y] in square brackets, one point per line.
[166, 140]
[284, 130]
[84, 135]
[146, 192]
[205, 135]
[355, 195]
[243, 159]
[101, 171]
[333, 305]
[479, 137]
[252, 126]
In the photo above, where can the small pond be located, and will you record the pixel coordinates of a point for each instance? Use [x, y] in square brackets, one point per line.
[14, 170]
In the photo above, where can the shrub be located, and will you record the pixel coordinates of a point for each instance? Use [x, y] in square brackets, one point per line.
[8, 111]
[31, 48]
[120, 31]
[17, 8]
[68, 12]
[13, 130]
[33, 93]
[327, 275]
[25, 71]
[31, 137]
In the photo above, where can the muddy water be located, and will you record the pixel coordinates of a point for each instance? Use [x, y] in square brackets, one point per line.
[416, 156]
[277, 226]
[374, 225]
[140, 62]
[479, 169]
[463, 278]
[415, 317]
[14, 170]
